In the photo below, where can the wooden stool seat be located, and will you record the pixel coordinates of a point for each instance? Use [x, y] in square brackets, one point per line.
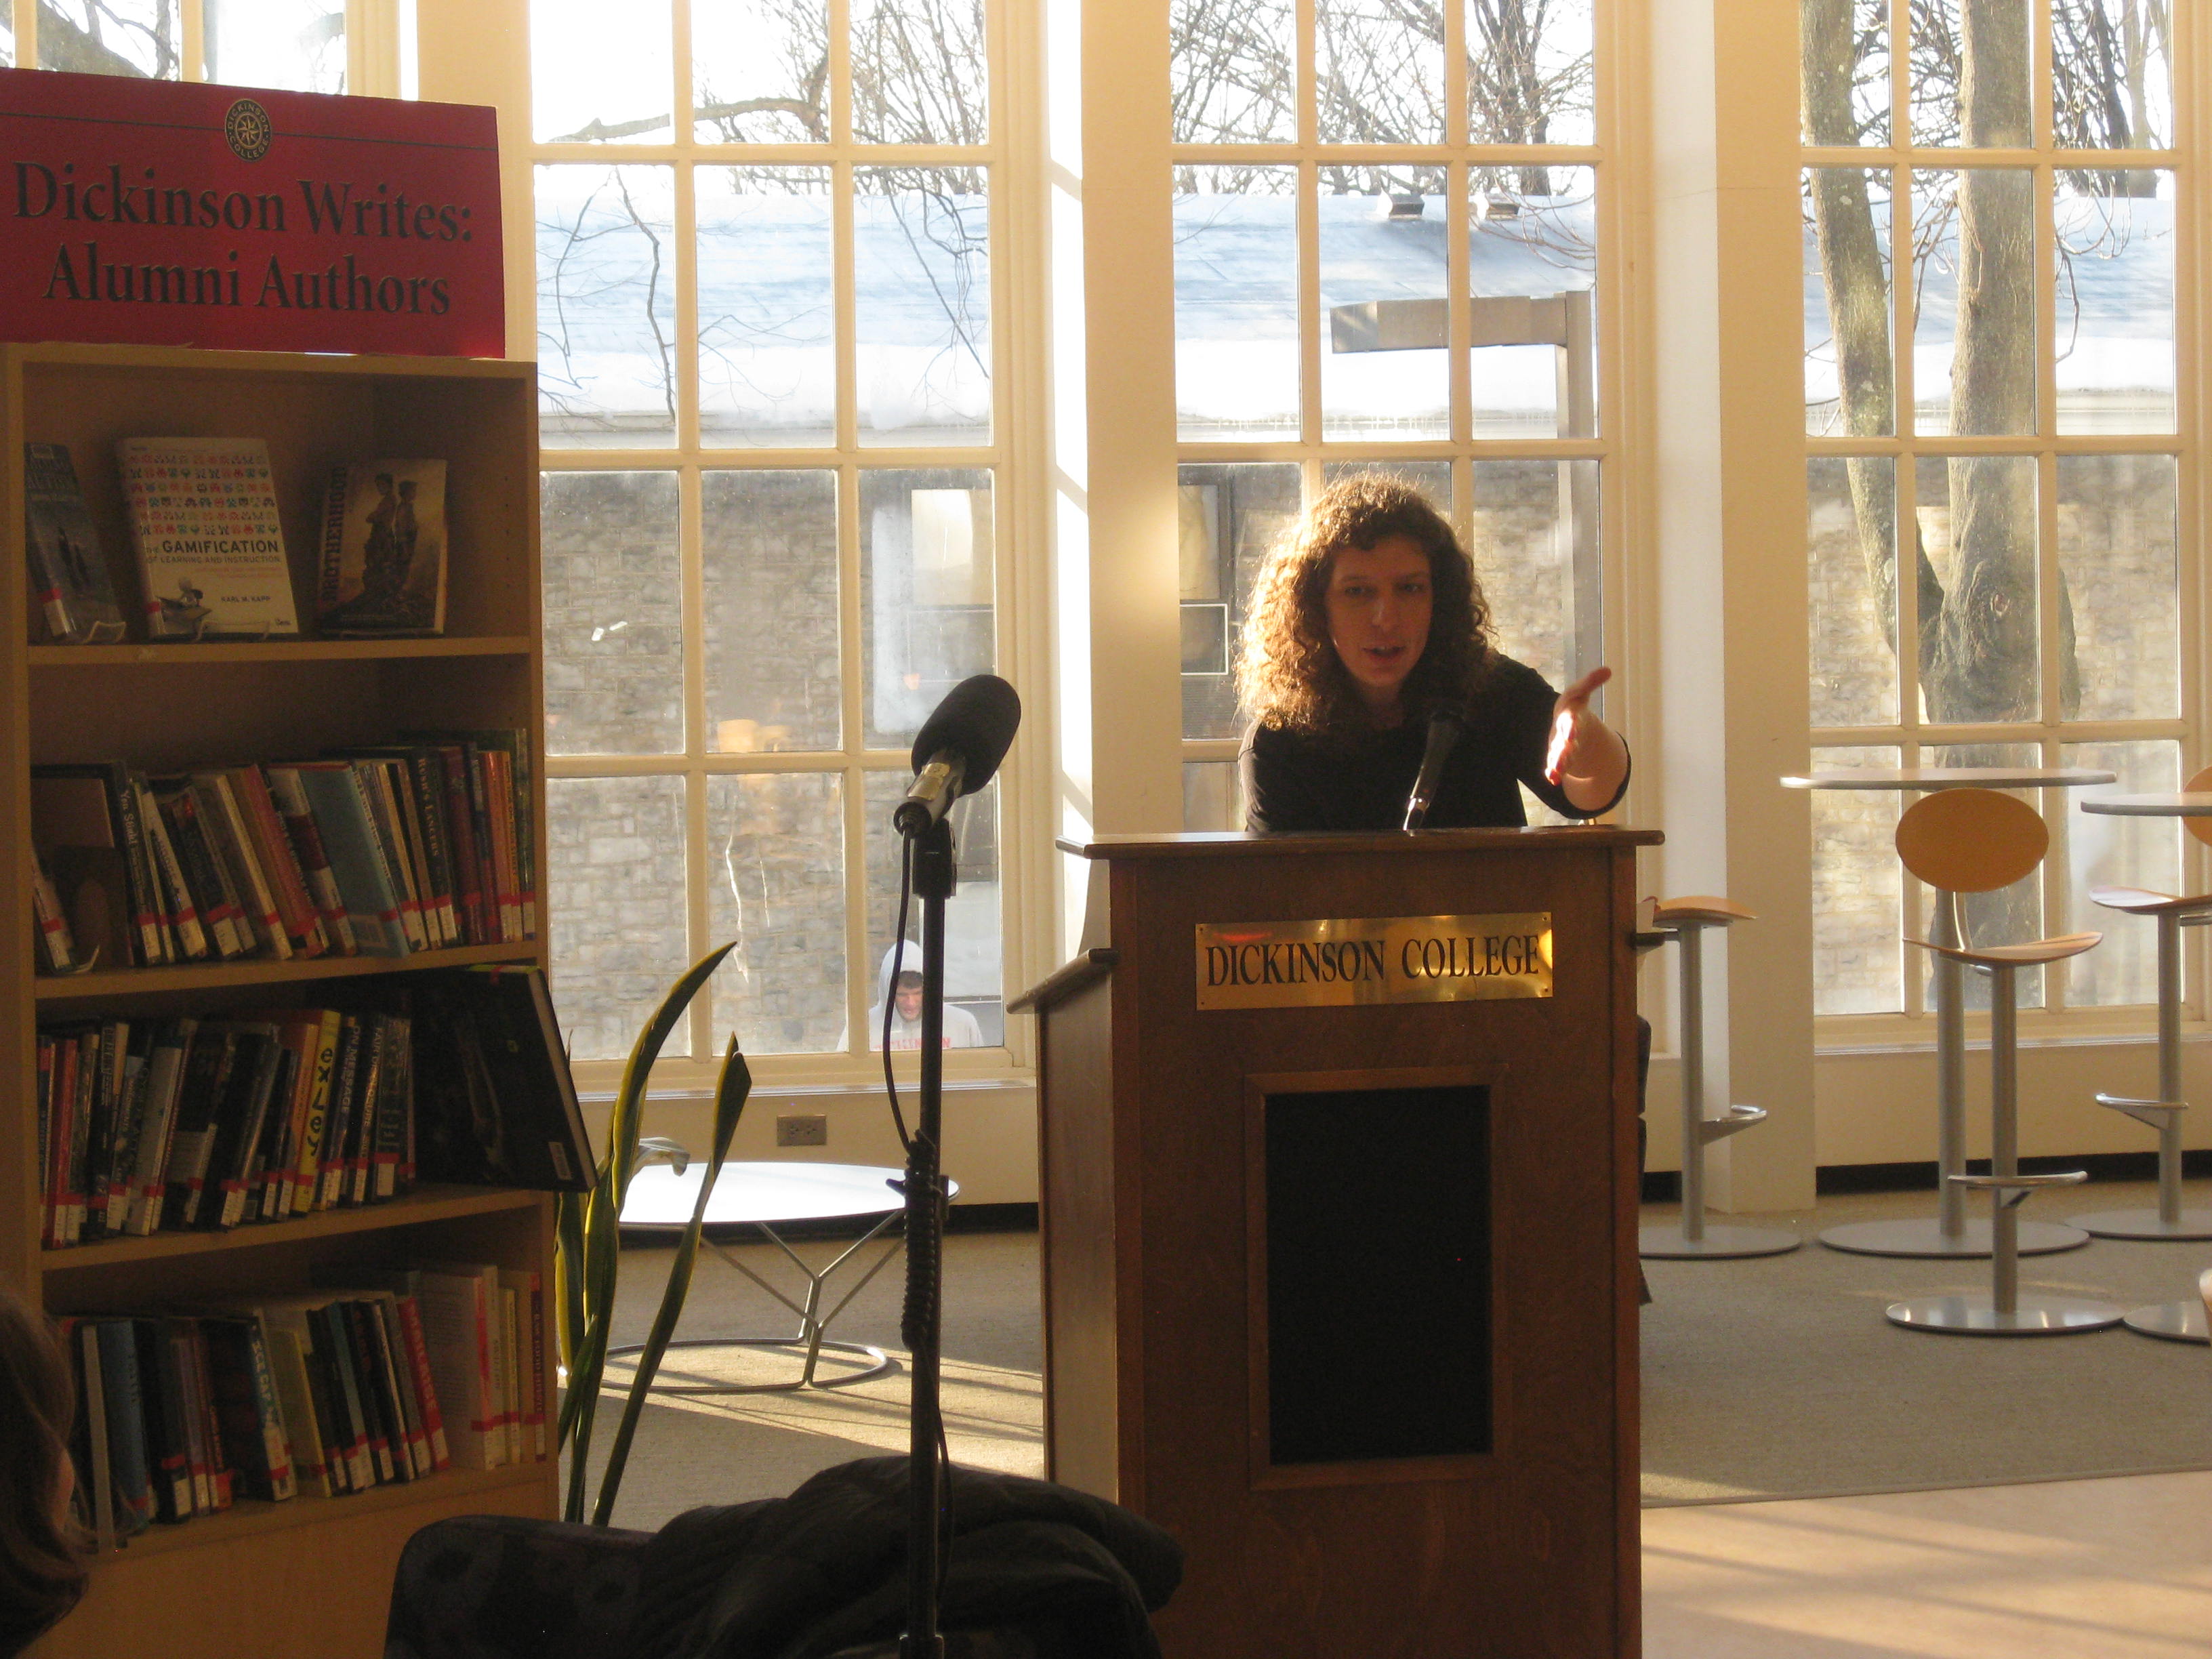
[2033, 954]
[2142, 902]
[1707, 908]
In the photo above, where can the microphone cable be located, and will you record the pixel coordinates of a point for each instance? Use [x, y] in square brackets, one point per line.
[890, 990]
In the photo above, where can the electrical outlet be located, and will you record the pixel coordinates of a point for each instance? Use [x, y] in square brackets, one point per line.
[805, 1129]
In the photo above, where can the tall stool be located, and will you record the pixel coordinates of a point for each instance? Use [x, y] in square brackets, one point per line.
[2169, 1219]
[1685, 922]
[1976, 840]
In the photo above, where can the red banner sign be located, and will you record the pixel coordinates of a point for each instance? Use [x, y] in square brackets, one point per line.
[159, 212]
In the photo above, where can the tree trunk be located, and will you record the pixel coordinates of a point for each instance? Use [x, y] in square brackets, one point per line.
[1853, 278]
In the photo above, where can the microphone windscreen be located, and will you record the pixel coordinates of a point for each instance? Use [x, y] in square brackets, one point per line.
[977, 720]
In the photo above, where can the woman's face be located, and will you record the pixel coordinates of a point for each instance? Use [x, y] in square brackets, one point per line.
[1379, 601]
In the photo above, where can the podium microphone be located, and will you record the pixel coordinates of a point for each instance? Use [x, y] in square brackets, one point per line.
[958, 748]
[1446, 722]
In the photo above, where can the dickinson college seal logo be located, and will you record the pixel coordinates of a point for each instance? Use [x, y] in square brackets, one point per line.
[245, 124]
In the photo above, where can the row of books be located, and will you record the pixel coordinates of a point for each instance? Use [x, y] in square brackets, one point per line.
[209, 541]
[382, 1378]
[377, 851]
[176, 1122]
[147, 1125]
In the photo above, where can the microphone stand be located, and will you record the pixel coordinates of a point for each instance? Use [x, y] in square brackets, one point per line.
[935, 873]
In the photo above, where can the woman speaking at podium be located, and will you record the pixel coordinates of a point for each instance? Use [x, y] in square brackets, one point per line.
[1369, 649]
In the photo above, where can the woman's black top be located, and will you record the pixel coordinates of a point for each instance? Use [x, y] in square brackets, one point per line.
[1360, 780]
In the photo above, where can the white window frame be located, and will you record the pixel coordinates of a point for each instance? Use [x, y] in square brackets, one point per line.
[1899, 159]
[1620, 178]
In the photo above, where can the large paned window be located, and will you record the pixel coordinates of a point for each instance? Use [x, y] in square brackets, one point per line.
[1392, 251]
[1998, 466]
[300, 46]
[774, 449]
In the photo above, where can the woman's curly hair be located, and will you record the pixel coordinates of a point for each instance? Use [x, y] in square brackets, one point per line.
[1288, 674]
[42, 1557]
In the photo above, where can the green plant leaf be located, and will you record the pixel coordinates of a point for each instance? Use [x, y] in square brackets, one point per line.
[601, 1246]
[732, 1089]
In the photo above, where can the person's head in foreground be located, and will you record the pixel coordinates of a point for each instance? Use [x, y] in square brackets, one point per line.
[1368, 614]
[42, 1561]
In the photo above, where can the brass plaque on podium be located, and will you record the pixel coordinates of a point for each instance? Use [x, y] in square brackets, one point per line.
[1344, 960]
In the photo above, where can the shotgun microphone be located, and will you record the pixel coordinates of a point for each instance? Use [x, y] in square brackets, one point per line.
[1447, 720]
[958, 749]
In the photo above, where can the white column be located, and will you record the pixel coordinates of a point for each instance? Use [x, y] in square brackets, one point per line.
[1117, 697]
[479, 53]
[1728, 495]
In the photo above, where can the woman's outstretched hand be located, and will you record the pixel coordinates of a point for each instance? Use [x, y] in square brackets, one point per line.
[1586, 757]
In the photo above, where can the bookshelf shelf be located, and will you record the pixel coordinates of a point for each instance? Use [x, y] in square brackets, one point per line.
[424, 1204]
[273, 651]
[455, 1491]
[201, 1588]
[215, 976]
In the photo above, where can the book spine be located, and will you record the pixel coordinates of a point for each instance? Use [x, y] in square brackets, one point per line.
[461, 844]
[219, 807]
[336, 1342]
[177, 1336]
[221, 913]
[311, 1470]
[426, 772]
[388, 831]
[330, 590]
[394, 1103]
[90, 1067]
[180, 915]
[126, 1426]
[99, 1469]
[61, 1102]
[345, 1080]
[276, 1438]
[372, 898]
[128, 808]
[272, 844]
[426, 1388]
[56, 949]
[49, 1057]
[298, 818]
[164, 1089]
[399, 1377]
[501, 779]
[166, 1447]
[306, 1181]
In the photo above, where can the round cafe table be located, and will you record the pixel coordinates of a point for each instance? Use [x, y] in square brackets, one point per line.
[1948, 1233]
[2181, 1321]
[765, 1196]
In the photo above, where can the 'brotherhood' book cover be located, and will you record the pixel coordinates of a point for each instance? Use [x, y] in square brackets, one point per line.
[384, 550]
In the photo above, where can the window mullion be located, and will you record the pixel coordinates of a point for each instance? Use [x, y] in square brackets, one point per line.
[192, 42]
[1460, 369]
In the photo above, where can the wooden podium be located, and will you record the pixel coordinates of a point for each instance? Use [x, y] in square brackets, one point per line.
[1339, 1230]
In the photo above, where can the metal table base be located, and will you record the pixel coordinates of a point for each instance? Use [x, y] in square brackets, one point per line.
[809, 1340]
[1926, 1237]
[2145, 1224]
[1975, 1315]
[1719, 1243]
[2175, 1322]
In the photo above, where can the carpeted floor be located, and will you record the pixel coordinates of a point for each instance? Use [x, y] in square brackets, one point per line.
[1779, 1377]
[1775, 1377]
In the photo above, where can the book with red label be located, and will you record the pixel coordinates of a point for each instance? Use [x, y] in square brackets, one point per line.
[279, 860]
[73, 599]
[298, 818]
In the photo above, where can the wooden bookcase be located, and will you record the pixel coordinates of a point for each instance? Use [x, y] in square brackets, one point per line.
[311, 1576]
